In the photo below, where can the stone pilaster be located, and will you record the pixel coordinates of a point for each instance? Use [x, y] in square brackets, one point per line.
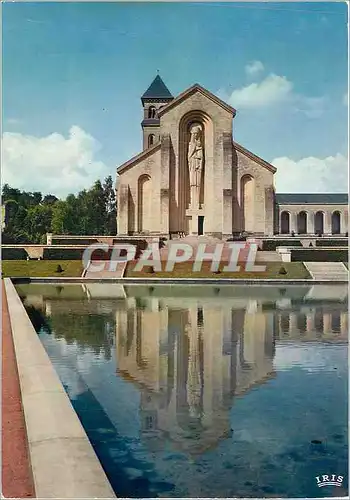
[165, 183]
[227, 191]
[269, 210]
[123, 197]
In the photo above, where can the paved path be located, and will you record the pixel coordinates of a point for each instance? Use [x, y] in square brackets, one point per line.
[17, 480]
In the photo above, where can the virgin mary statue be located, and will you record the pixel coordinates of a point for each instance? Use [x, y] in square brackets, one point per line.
[195, 162]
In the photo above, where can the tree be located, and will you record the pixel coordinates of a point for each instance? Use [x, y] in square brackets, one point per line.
[110, 204]
[38, 222]
[49, 199]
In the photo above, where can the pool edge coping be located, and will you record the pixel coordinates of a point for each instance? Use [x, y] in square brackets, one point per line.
[56, 438]
[214, 281]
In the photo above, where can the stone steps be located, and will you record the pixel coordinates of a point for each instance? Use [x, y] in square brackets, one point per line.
[334, 271]
[105, 273]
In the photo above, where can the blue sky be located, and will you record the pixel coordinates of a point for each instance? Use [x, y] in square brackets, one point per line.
[73, 74]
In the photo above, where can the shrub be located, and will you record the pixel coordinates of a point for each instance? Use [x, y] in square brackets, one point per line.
[282, 270]
[59, 269]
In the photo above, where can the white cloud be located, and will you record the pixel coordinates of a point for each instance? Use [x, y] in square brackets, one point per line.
[254, 67]
[312, 175]
[13, 121]
[52, 164]
[273, 89]
[312, 107]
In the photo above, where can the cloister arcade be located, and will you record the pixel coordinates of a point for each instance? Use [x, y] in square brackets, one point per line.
[317, 222]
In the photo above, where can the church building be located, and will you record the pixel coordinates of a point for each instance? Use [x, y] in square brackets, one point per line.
[193, 178]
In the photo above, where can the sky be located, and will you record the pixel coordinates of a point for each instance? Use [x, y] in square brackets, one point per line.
[73, 75]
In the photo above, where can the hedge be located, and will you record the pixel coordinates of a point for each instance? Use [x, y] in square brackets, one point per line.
[332, 243]
[74, 241]
[63, 253]
[13, 254]
[271, 245]
[319, 255]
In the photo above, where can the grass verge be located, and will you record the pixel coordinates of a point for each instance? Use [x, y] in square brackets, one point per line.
[41, 268]
[294, 270]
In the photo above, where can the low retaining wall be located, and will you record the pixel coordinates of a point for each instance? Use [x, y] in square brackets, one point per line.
[64, 464]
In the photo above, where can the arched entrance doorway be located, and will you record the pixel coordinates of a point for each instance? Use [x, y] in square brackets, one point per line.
[336, 222]
[319, 223]
[302, 222]
[285, 223]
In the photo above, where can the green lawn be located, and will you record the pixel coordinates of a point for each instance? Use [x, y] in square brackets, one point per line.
[73, 268]
[41, 268]
[295, 270]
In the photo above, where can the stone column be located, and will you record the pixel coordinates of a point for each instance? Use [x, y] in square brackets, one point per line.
[293, 222]
[327, 223]
[344, 323]
[293, 323]
[327, 323]
[310, 223]
[343, 222]
[310, 321]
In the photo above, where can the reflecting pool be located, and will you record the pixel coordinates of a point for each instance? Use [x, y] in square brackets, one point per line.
[204, 391]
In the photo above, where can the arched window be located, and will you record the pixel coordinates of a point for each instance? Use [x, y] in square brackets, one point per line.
[247, 203]
[151, 139]
[152, 112]
[144, 203]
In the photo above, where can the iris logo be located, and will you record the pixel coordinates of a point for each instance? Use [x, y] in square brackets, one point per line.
[329, 480]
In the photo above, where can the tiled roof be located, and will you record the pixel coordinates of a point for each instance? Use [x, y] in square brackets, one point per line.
[312, 199]
[157, 90]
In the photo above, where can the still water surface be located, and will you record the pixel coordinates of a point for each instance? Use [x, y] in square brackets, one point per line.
[204, 391]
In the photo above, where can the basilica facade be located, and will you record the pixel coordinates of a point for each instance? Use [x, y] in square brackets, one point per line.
[193, 178]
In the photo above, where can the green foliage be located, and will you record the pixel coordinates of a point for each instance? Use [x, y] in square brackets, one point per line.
[282, 270]
[271, 245]
[63, 253]
[29, 216]
[319, 255]
[341, 242]
[13, 254]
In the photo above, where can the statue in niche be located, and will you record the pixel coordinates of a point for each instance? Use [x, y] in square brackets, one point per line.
[195, 162]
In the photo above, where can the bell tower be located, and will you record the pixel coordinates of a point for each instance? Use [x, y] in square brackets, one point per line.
[156, 96]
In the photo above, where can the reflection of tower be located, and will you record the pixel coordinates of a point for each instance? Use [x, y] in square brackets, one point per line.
[194, 382]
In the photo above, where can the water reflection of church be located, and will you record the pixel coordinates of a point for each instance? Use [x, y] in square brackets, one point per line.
[189, 363]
